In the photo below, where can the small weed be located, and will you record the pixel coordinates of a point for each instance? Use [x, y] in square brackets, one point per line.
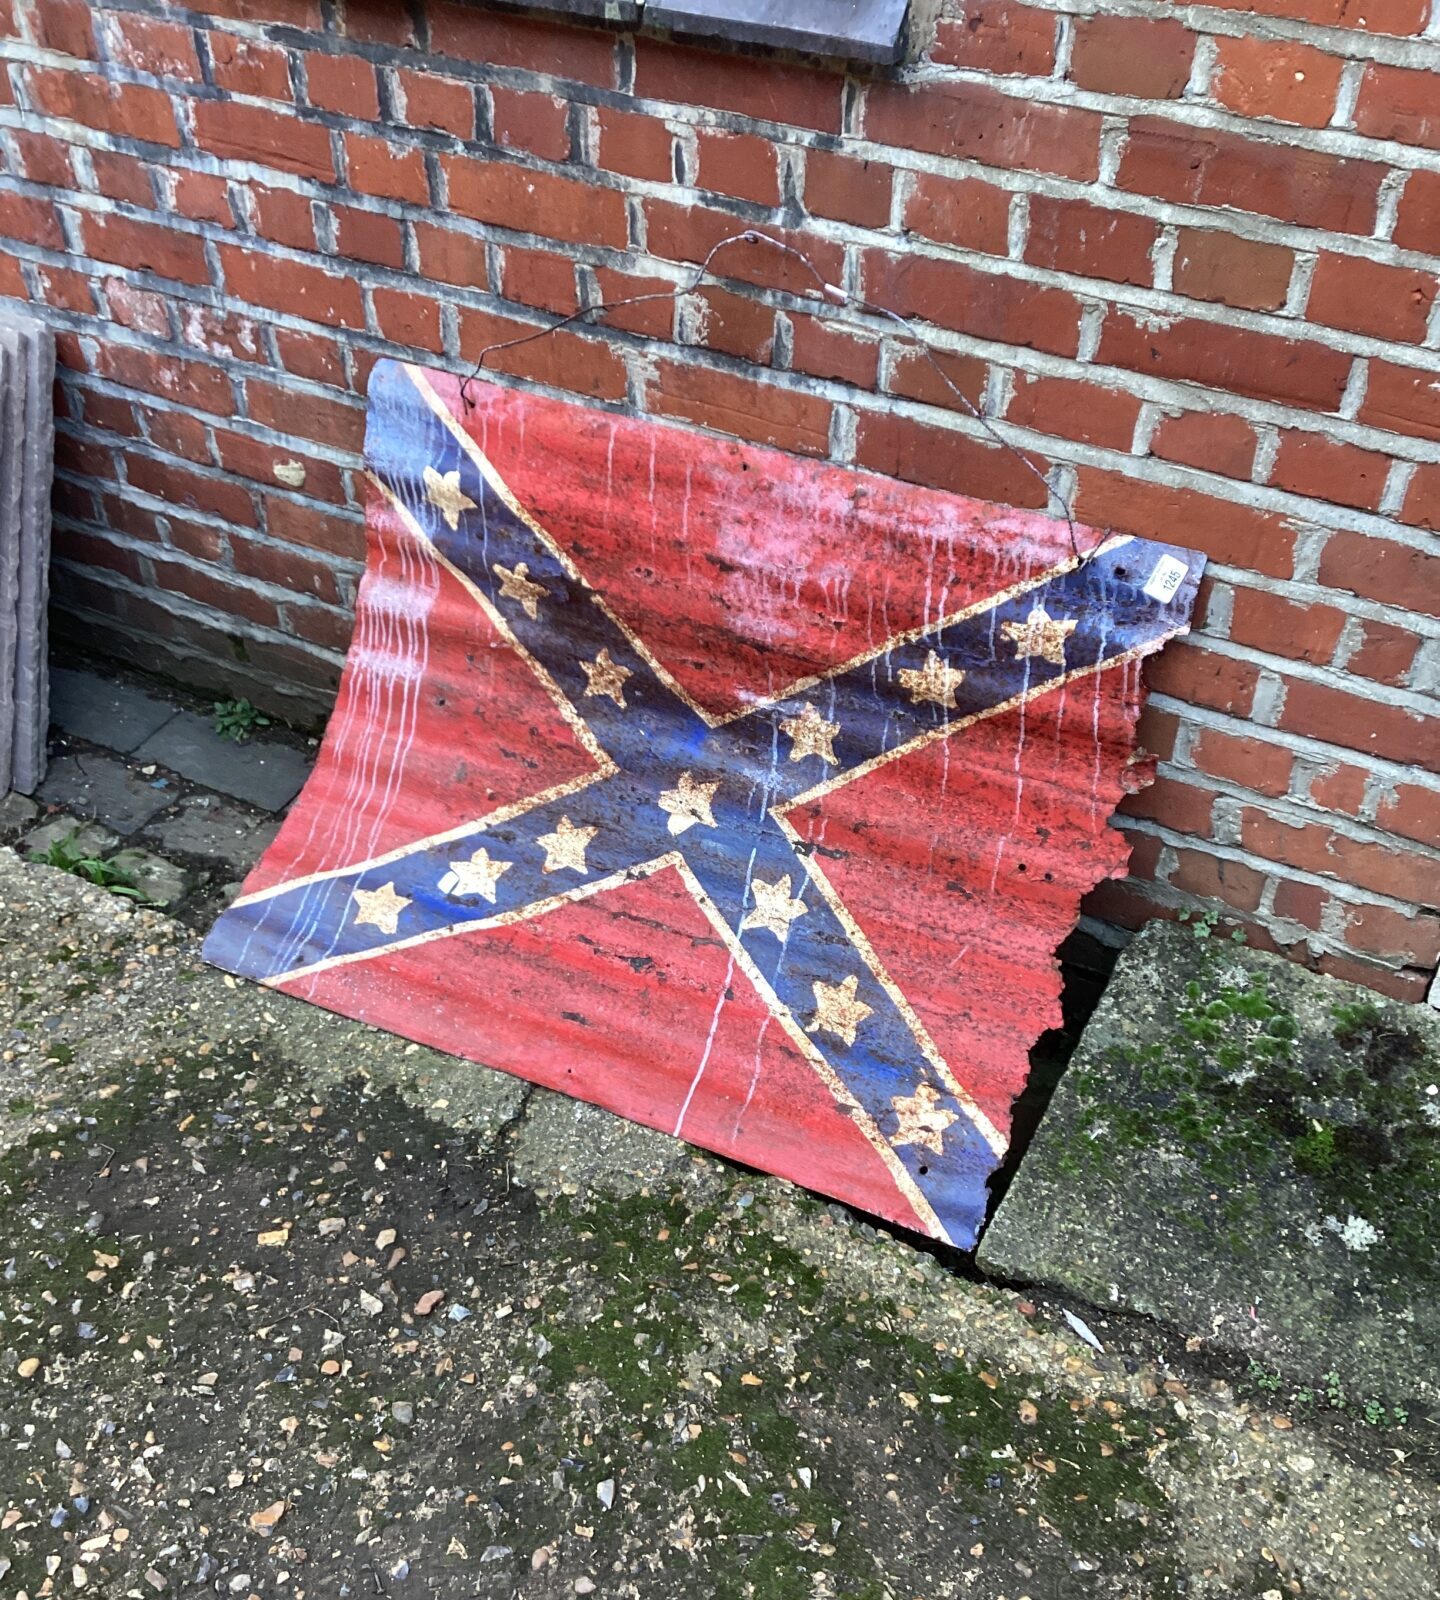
[238, 719]
[1262, 1378]
[69, 856]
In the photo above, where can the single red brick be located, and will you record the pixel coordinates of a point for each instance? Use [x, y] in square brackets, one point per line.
[639, 146]
[1412, 812]
[739, 164]
[581, 364]
[207, 588]
[998, 36]
[343, 84]
[825, 351]
[44, 158]
[1187, 672]
[452, 257]
[94, 550]
[202, 197]
[535, 202]
[1361, 722]
[1281, 627]
[137, 308]
[1380, 569]
[1304, 903]
[847, 188]
[408, 319]
[973, 122]
[284, 216]
[1156, 732]
[110, 414]
[1205, 439]
[1237, 535]
[1264, 366]
[341, 533]
[943, 459]
[83, 458]
[1366, 297]
[1210, 877]
[197, 383]
[1212, 167]
[1328, 469]
[500, 39]
[31, 220]
[181, 486]
[1422, 498]
[287, 408]
[1417, 224]
[762, 413]
[122, 177]
[299, 290]
[1385, 653]
[1210, 265]
[368, 236]
[65, 26]
[1342, 789]
[148, 44]
[1402, 399]
[767, 89]
[985, 305]
[316, 356]
[653, 313]
[928, 375]
[379, 22]
[1243, 760]
[737, 324]
[1074, 236]
[69, 291]
[385, 170]
[1276, 78]
[538, 278]
[1399, 103]
[689, 233]
[1132, 55]
[140, 245]
[129, 109]
[1072, 409]
[323, 625]
[1411, 937]
[433, 101]
[284, 567]
[1186, 807]
[269, 138]
[180, 433]
[250, 66]
[258, 460]
[534, 122]
[959, 211]
[302, 14]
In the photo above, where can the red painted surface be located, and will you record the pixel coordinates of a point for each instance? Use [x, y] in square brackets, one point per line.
[960, 862]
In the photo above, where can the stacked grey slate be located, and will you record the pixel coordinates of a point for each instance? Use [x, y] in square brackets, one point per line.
[27, 447]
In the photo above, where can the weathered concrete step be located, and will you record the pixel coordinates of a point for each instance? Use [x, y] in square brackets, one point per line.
[1250, 1153]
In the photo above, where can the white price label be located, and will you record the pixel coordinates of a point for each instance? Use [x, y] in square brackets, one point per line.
[1167, 577]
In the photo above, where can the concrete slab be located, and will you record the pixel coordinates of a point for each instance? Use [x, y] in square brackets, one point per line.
[264, 773]
[102, 788]
[1250, 1153]
[105, 711]
[303, 1263]
[204, 825]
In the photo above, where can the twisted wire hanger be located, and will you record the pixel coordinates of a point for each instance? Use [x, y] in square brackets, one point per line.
[833, 297]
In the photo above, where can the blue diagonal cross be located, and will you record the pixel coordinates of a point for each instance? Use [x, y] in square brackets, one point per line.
[713, 792]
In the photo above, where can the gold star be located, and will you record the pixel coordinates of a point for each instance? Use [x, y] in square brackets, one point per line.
[936, 681]
[444, 493]
[688, 803]
[1039, 635]
[478, 875]
[379, 908]
[566, 846]
[837, 1010]
[517, 584]
[812, 736]
[606, 677]
[922, 1119]
[774, 910]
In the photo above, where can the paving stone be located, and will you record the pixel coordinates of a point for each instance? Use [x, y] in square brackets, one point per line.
[103, 789]
[90, 838]
[103, 711]
[266, 774]
[1250, 1153]
[203, 825]
[17, 812]
[160, 881]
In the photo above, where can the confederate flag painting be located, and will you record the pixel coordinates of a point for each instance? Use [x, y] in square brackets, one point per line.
[746, 796]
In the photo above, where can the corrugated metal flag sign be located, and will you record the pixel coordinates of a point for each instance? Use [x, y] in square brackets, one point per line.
[747, 796]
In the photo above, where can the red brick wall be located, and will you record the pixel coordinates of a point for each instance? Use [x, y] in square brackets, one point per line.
[1192, 263]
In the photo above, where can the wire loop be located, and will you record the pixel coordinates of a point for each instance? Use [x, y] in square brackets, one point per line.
[835, 297]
